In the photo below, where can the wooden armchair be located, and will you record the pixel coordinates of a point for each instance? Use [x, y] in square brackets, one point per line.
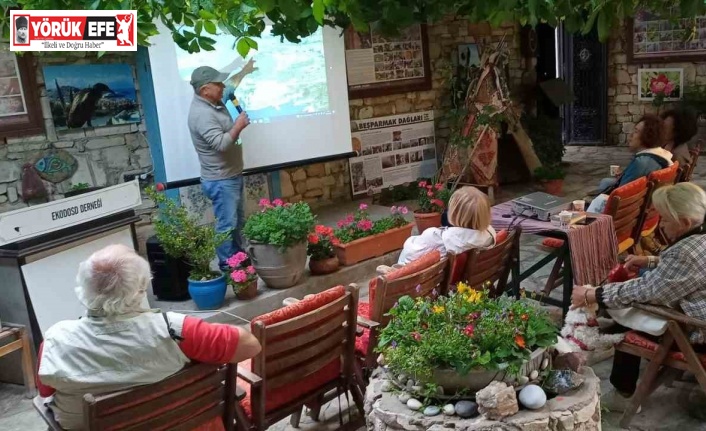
[307, 351]
[661, 356]
[626, 205]
[688, 171]
[650, 217]
[493, 264]
[416, 279]
[199, 397]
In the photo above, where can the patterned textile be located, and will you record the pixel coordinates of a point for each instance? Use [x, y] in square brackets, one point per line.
[679, 282]
[484, 159]
[639, 340]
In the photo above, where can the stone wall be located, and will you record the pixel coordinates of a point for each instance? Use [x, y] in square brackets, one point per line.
[104, 154]
[624, 106]
[325, 183]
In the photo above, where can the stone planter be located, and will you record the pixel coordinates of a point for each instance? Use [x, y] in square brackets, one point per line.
[248, 292]
[323, 266]
[426, 220]
[373, 246]
[476, 380]
[553, 187]
[279, 270]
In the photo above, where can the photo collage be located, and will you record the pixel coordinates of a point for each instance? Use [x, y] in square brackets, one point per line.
[654, 35]
[11, 97]
[398, 58]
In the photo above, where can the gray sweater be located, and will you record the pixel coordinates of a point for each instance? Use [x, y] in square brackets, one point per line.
[220, 156]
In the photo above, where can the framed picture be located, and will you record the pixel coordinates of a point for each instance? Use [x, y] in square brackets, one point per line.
[380, 65]
[653, 39]
[20, 112]
[91, 95]
[651, 82]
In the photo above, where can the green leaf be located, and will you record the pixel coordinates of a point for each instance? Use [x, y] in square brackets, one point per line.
[603, 26]
[588, 26]
[243, 47]
[194, 46]
[312, 25]
[290, 8]
[203, 13]
[266, 5]
[177, 16]
[189, 34]
[199, 27]
[210, 27]
[101, 54]
[318, 10]
[532, 9]
[95, 5]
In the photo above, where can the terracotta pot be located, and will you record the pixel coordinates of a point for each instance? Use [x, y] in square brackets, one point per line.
[249, 292]
[373, 246]
[426, 220]
[323, 266]
[553, 187]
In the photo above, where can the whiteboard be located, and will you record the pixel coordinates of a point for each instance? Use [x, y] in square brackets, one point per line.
[297, 99]
[51, 280]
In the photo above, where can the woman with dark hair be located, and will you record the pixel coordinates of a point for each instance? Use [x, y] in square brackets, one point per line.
[679, 126]
[646, 143]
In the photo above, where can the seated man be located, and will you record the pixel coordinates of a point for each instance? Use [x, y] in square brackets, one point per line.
[118, 344]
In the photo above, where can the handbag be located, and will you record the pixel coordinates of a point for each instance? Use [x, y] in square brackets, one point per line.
[639, 321]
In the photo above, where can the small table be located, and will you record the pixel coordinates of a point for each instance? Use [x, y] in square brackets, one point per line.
[20, 342]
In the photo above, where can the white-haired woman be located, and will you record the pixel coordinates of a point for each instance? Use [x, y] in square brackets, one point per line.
[677, 279]
[119, 344]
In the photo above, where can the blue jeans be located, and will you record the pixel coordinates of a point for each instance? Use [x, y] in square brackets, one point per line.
[227, 199]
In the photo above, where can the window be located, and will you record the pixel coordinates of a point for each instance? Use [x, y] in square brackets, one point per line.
[20, 112]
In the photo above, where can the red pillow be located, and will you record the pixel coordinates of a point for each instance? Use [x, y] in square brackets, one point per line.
[301, 307]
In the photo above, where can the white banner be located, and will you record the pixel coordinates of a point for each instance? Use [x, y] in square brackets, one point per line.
[37, 220]
[392, 150]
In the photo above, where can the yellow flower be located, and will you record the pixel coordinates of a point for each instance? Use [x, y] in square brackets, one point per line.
[437, 309]
[474, 296]
[462, 287]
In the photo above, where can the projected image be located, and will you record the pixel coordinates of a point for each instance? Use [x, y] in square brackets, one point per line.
[283, 79]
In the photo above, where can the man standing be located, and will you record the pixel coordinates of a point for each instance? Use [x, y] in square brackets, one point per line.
[215, 137]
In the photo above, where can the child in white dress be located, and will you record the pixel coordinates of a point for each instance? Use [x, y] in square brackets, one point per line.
[469, 215]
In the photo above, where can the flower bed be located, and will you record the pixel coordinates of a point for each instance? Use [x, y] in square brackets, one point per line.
[362, 238]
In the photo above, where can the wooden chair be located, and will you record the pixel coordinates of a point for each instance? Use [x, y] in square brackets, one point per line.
[688, 171]
[650, 217]
[199, 395]
[626, 205]
[307, 352]
[19, 342]
[663, 360]
[494, 264]
[431, 275]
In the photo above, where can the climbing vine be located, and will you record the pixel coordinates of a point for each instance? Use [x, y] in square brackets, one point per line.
[194, 22]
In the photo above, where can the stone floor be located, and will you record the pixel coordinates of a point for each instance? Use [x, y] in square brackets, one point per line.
[667, 409]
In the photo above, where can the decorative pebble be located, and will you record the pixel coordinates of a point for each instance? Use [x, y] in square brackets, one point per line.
[432, 411]
[417, 389]
[381, 360]
[402, 378]
[449, 410]
[522, 380]
[545, 363]
[533, 397]
[386, 386]
[413, 404]
[440, 390]
[410, 384]
[404, 397]
[533, 375]
[466, 409]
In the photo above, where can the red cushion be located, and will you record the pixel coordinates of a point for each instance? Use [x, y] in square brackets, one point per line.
[630, 189]
[423, 262]
[461, 259]
[501, 236]
[552, 242]
[301, 307]
[280, 396]
[639, 340]
[362, 341]
[663, 176]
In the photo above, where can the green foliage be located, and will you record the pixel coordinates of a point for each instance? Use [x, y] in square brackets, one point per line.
[464, 331]
[294, 19]
[549, 172]
[182, 237]
[545, 133]
[359, 225]
[279, 224]
[695, 99]
[79, 186]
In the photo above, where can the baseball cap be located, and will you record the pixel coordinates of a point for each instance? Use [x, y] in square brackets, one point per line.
[204, 75]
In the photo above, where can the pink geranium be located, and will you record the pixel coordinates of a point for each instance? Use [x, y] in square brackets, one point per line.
[235, 260]
[265, 203]
[250, 270]
[239, 276]
[403, 210]
[363, 207]
[365, 225]
[278, 202]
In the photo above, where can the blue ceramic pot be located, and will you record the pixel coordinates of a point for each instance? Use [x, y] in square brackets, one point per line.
[209, 294]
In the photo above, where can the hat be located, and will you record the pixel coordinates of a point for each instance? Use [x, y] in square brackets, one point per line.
[21, 22]
[204, 75]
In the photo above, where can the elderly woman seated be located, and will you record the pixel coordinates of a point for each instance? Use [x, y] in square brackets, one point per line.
[677, 279]
[118, 344]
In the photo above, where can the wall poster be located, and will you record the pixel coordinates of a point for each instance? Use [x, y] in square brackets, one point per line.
[392, 150]
[378, 65]
[654, 39]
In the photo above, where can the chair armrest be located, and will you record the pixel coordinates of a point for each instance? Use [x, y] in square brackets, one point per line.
[249, 376]
[671, 314]
[239, 393]
[367, 323]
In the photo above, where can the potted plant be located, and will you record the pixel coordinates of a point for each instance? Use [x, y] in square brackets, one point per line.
[464, 341]
[432, 199]
[322, 255]
[551, 177]
[362, 238]
[277, 236]
[243, 280]
[183, 238]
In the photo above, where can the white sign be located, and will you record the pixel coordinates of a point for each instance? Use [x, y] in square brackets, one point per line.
[37, 220]
[73, 30]
[393, 150]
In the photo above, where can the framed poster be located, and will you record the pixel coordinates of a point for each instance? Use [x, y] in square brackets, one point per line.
[20, 113]
[651, 39]
[667, 82]
[379, 65]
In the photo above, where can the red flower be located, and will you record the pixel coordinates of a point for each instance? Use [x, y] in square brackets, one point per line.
[437, 202]
[313, 239]
[430, 194]
[439, 186]
[320, 229]
[335, 241]
[468, 330]
[661, 85]
[524, 317]
[422, 184]
[520, 341]
[417, 336]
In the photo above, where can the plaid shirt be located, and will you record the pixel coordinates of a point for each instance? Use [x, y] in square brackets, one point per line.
[679, 282]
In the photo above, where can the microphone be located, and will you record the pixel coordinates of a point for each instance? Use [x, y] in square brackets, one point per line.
[236, 103]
